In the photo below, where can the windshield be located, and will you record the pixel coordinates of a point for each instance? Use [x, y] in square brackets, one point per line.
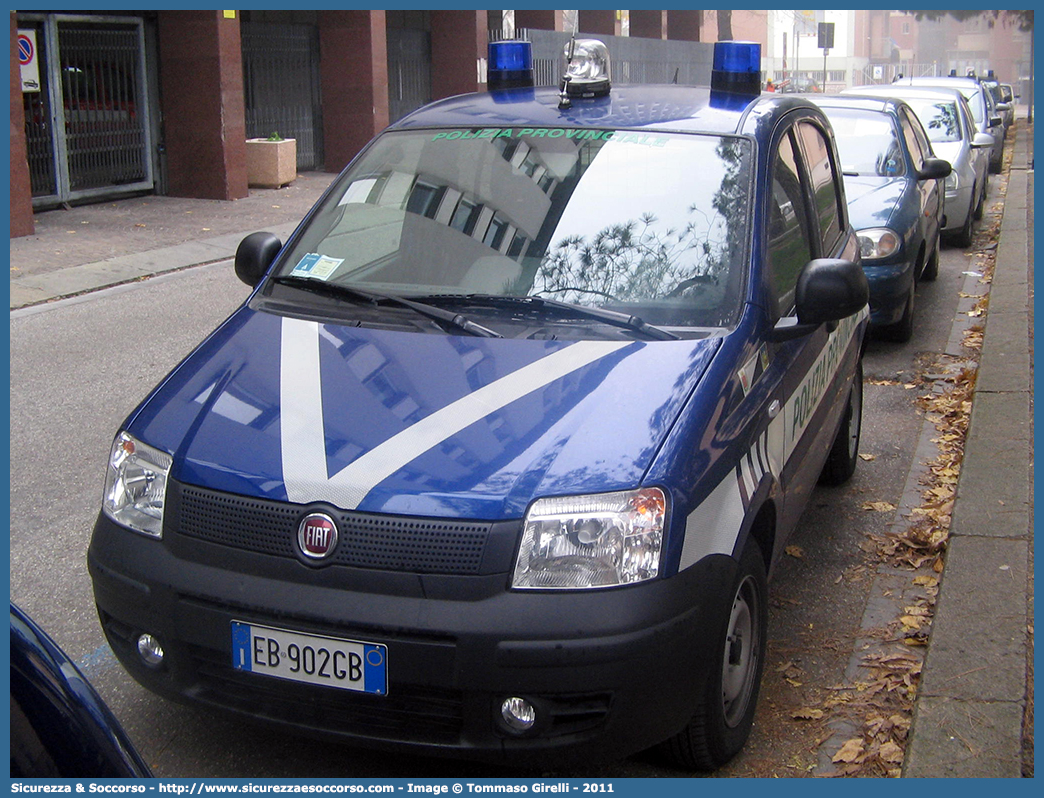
[938, 117]
[651, 224]
[867, 142]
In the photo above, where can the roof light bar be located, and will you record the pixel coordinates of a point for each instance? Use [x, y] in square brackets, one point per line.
[510, 65]
[737, 68]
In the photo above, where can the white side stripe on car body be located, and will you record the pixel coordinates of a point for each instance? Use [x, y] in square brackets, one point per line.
[303, 439]
[714, 526]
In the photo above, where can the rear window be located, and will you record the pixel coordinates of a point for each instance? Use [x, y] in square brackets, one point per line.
[867, 142]
[939, 118]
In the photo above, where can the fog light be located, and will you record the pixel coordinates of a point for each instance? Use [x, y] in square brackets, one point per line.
[518, 714]
[150, 650]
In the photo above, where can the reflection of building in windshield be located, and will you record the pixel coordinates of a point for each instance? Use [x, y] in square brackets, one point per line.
[457, 201]
[583, 215]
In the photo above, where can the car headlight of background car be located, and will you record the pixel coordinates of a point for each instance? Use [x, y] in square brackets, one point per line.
[878, 242]
[952, 181]
[600, 540]
[136, 484]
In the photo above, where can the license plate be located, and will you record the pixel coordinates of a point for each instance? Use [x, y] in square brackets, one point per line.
[313, 659]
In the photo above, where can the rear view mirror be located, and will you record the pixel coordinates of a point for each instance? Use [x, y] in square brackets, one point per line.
[934, 169]
[828, 290]
[254, 255]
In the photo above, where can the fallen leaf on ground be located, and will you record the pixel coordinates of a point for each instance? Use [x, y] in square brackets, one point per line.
[807, 714]
[850, 751]
[880, 507]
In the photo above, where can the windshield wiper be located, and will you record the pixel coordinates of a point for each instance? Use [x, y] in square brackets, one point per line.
[612, 317]
[455, 320]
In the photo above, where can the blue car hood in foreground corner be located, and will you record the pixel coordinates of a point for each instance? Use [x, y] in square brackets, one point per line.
[872, 200]
[413, 423]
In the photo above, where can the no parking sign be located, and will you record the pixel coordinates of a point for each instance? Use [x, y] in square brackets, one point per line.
[27, 60]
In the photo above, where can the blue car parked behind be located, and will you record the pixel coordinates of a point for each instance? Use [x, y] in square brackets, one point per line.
[894, 186]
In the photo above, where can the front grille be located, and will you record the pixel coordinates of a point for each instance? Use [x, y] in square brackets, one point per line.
[393, 543]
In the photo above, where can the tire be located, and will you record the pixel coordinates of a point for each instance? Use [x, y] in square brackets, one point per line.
[963, 238]
[844, 454]
[902, 330]
[721, 724]
[931, 268]
[980, 205]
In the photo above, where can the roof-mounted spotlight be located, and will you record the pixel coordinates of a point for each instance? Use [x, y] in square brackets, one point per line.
[510, 65]
[585, 70]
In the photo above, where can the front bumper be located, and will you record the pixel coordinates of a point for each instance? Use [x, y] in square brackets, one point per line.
[890, 285]
[958, 205]
[611, 672]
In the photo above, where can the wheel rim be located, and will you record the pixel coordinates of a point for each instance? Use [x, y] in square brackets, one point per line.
[742, 647]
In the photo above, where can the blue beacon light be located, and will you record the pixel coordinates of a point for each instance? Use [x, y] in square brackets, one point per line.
[736, 75]
[737, 68]
[510, 65]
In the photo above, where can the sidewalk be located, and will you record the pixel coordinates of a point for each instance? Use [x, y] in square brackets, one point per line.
[94, 246]
[970, 714]
[972, 699]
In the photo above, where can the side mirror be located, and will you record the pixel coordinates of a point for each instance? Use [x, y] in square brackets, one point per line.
[982, 140]
[254, 255]
[934, 169]
[1004, 107]
[996, 121]
[828, 290]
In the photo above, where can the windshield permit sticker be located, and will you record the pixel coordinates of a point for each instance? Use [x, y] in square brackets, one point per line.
[316, 266]
[620, 136]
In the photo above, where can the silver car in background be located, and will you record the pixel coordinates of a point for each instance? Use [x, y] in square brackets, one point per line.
[989, 117]
[947, 119]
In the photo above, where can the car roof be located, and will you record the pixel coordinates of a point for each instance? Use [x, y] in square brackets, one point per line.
[664, 108]
[902, 91]
[882, 104]
[943, 80]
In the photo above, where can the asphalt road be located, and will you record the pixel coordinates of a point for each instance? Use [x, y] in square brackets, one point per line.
[78, 367]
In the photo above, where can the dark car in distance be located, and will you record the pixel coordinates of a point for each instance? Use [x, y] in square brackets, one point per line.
[894, 186]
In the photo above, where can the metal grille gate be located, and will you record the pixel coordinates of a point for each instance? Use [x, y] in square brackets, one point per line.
[409, 71]
[88, 131]
[281, 84]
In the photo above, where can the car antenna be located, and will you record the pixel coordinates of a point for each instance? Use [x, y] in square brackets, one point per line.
[563, 98]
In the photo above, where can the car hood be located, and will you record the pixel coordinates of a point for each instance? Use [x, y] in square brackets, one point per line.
[411, 423]
[872, 199]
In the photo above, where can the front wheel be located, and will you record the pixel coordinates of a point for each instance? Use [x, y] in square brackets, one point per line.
[931, 268]
[980, 204]
[844, 454]
[963, 237]
[723, 719]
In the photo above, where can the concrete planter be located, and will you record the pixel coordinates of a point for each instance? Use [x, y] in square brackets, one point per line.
[271, 164]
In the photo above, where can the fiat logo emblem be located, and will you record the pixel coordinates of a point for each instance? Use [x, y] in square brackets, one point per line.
[317, 536]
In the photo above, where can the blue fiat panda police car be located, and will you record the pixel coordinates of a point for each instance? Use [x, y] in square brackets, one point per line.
[495, 459]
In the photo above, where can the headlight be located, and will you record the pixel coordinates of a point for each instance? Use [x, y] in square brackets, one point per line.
[877, 242]
[135, 485]
[952, 181]
[592, 541]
